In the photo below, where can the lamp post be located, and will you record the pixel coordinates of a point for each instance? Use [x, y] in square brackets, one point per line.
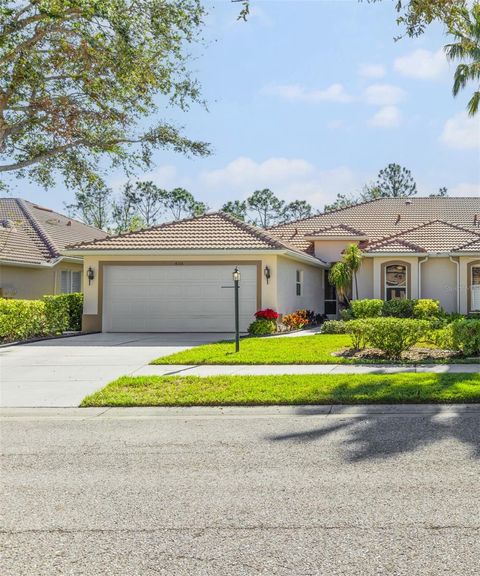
[236, 280]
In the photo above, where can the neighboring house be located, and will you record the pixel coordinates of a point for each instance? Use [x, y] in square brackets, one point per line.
[178, 276]
[31, 241]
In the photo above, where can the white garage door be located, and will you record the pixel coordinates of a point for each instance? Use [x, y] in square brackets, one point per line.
[181, 298]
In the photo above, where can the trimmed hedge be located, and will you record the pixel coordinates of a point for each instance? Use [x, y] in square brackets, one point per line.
[24, 319]
[423, 309]
[261, 327]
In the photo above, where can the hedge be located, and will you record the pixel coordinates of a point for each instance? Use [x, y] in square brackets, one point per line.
[24, 319]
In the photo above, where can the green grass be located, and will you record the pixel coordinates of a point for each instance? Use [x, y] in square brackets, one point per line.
[300, 350]
[288, 389]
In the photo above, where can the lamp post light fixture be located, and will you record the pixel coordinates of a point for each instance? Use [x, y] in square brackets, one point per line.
[267, 273]
[90, 274]
[236, 280]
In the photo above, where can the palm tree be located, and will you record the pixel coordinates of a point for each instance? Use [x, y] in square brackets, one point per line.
[353, 257]
[466, 30]
[340, 276]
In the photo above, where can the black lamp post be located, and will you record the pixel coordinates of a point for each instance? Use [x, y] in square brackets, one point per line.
[236, 280]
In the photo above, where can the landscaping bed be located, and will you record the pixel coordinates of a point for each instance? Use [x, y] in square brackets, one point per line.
[415, 355]
[288, 390]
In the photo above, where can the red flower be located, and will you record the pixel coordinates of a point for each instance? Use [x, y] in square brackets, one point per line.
[267, 314]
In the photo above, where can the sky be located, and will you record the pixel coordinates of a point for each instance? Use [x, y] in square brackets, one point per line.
[311, 99]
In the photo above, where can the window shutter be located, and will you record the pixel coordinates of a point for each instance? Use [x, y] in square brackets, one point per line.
[64, 282]
[76, 281]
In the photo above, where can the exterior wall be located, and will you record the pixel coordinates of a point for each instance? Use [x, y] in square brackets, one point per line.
[330, 250]
[33, 283]
[312, 296]
[92, 310]
[439, 282]
[365, 279]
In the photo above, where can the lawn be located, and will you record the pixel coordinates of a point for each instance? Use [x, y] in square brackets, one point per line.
[287, 389]
[300, 350]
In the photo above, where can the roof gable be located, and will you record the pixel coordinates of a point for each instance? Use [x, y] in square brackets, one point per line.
[338, 230]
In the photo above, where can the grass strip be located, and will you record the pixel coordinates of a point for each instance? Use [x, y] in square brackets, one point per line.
[402, 388]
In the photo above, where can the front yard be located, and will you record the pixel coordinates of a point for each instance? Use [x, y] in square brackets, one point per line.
[291, 389]
[319, 349]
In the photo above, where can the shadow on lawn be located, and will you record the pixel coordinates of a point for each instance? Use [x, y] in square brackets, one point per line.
[371, 433]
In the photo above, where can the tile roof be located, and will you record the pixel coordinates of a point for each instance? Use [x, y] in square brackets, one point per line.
[214, 231]
[396, 218]
[338, 230]
[34, 235]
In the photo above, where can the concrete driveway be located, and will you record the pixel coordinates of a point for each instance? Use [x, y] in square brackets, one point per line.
[60, 372]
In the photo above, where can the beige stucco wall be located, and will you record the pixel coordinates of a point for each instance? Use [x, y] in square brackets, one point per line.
[32, 283]
[439, 281]
[378, 281]
[330, 250]
[312, 296]
[365, 279]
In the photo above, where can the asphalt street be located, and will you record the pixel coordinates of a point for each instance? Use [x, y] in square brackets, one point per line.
[241, 491]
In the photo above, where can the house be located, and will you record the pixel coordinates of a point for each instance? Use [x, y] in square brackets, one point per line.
[178, 276]
[31, 242]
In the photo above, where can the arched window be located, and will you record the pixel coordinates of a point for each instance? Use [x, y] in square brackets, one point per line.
[396, 281]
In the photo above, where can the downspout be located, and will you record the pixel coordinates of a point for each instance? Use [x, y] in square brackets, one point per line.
[457, 264]
[420, 262]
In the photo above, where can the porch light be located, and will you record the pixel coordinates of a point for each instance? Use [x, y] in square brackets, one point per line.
[236, 275]
[90, 274]
[267, 273]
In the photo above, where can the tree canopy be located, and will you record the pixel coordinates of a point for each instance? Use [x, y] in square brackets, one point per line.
[80, 81]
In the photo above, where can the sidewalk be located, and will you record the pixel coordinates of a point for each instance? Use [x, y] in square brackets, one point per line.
[276, 369]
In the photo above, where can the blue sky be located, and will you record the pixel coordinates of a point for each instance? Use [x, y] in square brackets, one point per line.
[312, 99]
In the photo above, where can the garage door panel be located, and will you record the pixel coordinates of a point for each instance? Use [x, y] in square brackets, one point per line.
[176, 298]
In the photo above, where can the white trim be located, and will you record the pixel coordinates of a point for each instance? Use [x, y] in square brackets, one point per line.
[51, 264]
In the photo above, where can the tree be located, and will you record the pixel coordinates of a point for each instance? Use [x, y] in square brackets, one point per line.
[340, 276]
[124, 216]
[296, 210]
[466, 31]
[266, 206]
[148, 200]
[76, 79]
[353, 257]
[442, 193]
[92, 205]
[395, 181]
[237, 208]
[342, 201]
[182, 204]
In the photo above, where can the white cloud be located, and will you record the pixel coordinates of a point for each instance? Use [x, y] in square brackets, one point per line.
[465, 189]
[462, 132]
[384, 95]
[422, 64]
[371, 70]
[297, 93]
[386, 117]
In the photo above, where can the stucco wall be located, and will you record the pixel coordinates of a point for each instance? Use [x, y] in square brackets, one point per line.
[330, 250]
[365, 279]
[439, 281]
[378, 281]
[312, 296]
[33, 283]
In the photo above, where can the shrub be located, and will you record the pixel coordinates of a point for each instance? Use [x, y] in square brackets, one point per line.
[367, 308]
[295, 320]
[261, 327]
[56, 314]
[334, 327]
[358, 331]
[21, 319]
[398, 308]
[394, 335]
[346, 314]
[426, 309]
[267, 314]
[465, 336]
[75, 310]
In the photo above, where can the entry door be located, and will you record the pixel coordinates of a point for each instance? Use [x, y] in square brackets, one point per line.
[176, 298]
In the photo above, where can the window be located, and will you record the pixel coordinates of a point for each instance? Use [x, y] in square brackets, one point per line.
[70, 281]
[396, 282]
[330, 294]
[299, 282]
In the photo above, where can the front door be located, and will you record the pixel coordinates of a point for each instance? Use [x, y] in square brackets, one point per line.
[475, 289]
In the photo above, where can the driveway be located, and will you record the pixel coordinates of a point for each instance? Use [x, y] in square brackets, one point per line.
[241, 491]
[62, 372]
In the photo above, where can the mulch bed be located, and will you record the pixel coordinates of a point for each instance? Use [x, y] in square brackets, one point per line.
[412, 355]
